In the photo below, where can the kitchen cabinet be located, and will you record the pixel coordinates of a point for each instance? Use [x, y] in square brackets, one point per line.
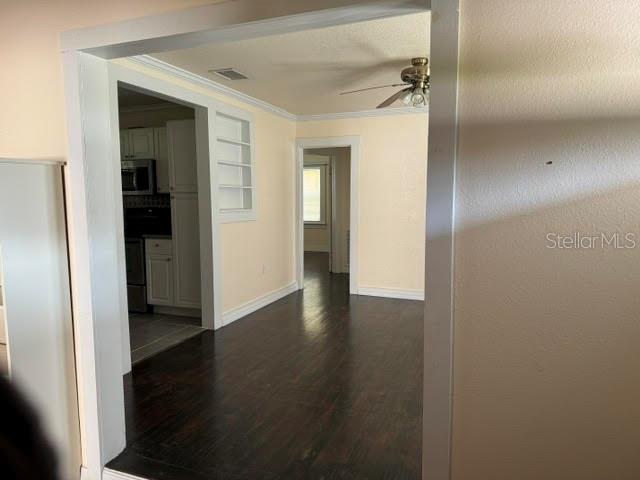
[186, 249]
[162, 160]
[173, 265]
[160, 280]
[137, 143]
[181, 145]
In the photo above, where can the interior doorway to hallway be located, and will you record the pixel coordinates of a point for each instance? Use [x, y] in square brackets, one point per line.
[326, 207]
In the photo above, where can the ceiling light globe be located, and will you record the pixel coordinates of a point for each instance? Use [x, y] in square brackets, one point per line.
[418, 97]
[406, 98]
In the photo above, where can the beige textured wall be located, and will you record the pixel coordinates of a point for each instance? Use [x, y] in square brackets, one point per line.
[547, 377]
[32, 121]
[393, 152]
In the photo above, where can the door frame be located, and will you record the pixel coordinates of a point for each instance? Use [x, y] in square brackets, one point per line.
[306, 143]
[210, 289]
[84, 57]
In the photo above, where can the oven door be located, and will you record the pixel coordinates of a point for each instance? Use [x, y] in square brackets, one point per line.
[137, 177]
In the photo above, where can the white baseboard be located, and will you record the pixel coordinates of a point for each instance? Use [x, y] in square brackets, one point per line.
[250, 307]
[391, 293]
[316, 248]
[180, 311]
[108, 474]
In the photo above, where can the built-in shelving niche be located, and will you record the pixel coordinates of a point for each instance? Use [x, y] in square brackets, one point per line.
[236, 177]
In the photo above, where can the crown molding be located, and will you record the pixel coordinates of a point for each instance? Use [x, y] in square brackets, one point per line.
[376, 112]
[149, 61]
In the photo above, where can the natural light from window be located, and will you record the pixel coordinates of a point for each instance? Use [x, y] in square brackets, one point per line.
[312, 188]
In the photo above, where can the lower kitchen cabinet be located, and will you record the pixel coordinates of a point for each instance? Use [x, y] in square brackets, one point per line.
[160, 278]
[173, 265]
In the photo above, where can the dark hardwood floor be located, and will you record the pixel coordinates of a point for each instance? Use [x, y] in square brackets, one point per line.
[319, 385]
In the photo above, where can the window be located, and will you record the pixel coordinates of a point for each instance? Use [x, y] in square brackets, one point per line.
[314, 191]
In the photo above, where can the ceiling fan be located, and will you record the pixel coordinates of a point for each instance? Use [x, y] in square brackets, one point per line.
[415, 78]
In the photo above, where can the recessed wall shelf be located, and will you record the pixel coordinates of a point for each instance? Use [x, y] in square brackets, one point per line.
[234, 164]
[234, 154]
[235, 142]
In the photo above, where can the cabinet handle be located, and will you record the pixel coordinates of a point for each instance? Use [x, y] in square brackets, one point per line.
[168, 259]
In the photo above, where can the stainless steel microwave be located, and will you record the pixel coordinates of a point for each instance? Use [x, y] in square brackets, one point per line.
[138, 177]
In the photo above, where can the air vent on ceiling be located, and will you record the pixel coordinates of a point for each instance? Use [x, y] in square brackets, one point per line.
[229, 74]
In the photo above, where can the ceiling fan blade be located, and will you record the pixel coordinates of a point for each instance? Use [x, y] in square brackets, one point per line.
[373, 88]
[393, 98]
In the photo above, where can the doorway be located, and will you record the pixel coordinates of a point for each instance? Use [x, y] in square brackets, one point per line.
[326, 205]
[95, 72]
[327, 208]
[160, 210]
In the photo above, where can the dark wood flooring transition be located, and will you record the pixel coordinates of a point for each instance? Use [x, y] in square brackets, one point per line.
[319, 385]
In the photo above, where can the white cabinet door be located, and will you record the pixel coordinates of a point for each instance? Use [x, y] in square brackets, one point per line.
[141, 143]
[160, 280]
[181, 142]
[162, 160]
[124, 145]
[186, 249]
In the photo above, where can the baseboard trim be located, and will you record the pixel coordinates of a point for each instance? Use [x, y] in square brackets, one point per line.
[250, 307]
[391, 293]
[180, 311]
[316, 248]
[108, 474]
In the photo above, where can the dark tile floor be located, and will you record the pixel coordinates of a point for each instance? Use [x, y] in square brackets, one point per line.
[319, 385]
[151, 333]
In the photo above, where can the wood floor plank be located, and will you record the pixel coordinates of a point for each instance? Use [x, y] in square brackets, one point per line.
[319, 385]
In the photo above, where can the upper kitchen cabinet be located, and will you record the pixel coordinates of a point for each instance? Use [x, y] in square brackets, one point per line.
[181, 145]
[137, 143]
[162, 160]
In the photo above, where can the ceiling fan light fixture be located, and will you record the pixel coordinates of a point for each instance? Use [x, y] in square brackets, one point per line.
[418, 97]
[415, 79]
[406, 98]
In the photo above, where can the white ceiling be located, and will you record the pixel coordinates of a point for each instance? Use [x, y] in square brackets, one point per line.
[304, 72]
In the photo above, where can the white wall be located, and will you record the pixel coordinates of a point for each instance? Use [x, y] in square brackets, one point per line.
[547, 384]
